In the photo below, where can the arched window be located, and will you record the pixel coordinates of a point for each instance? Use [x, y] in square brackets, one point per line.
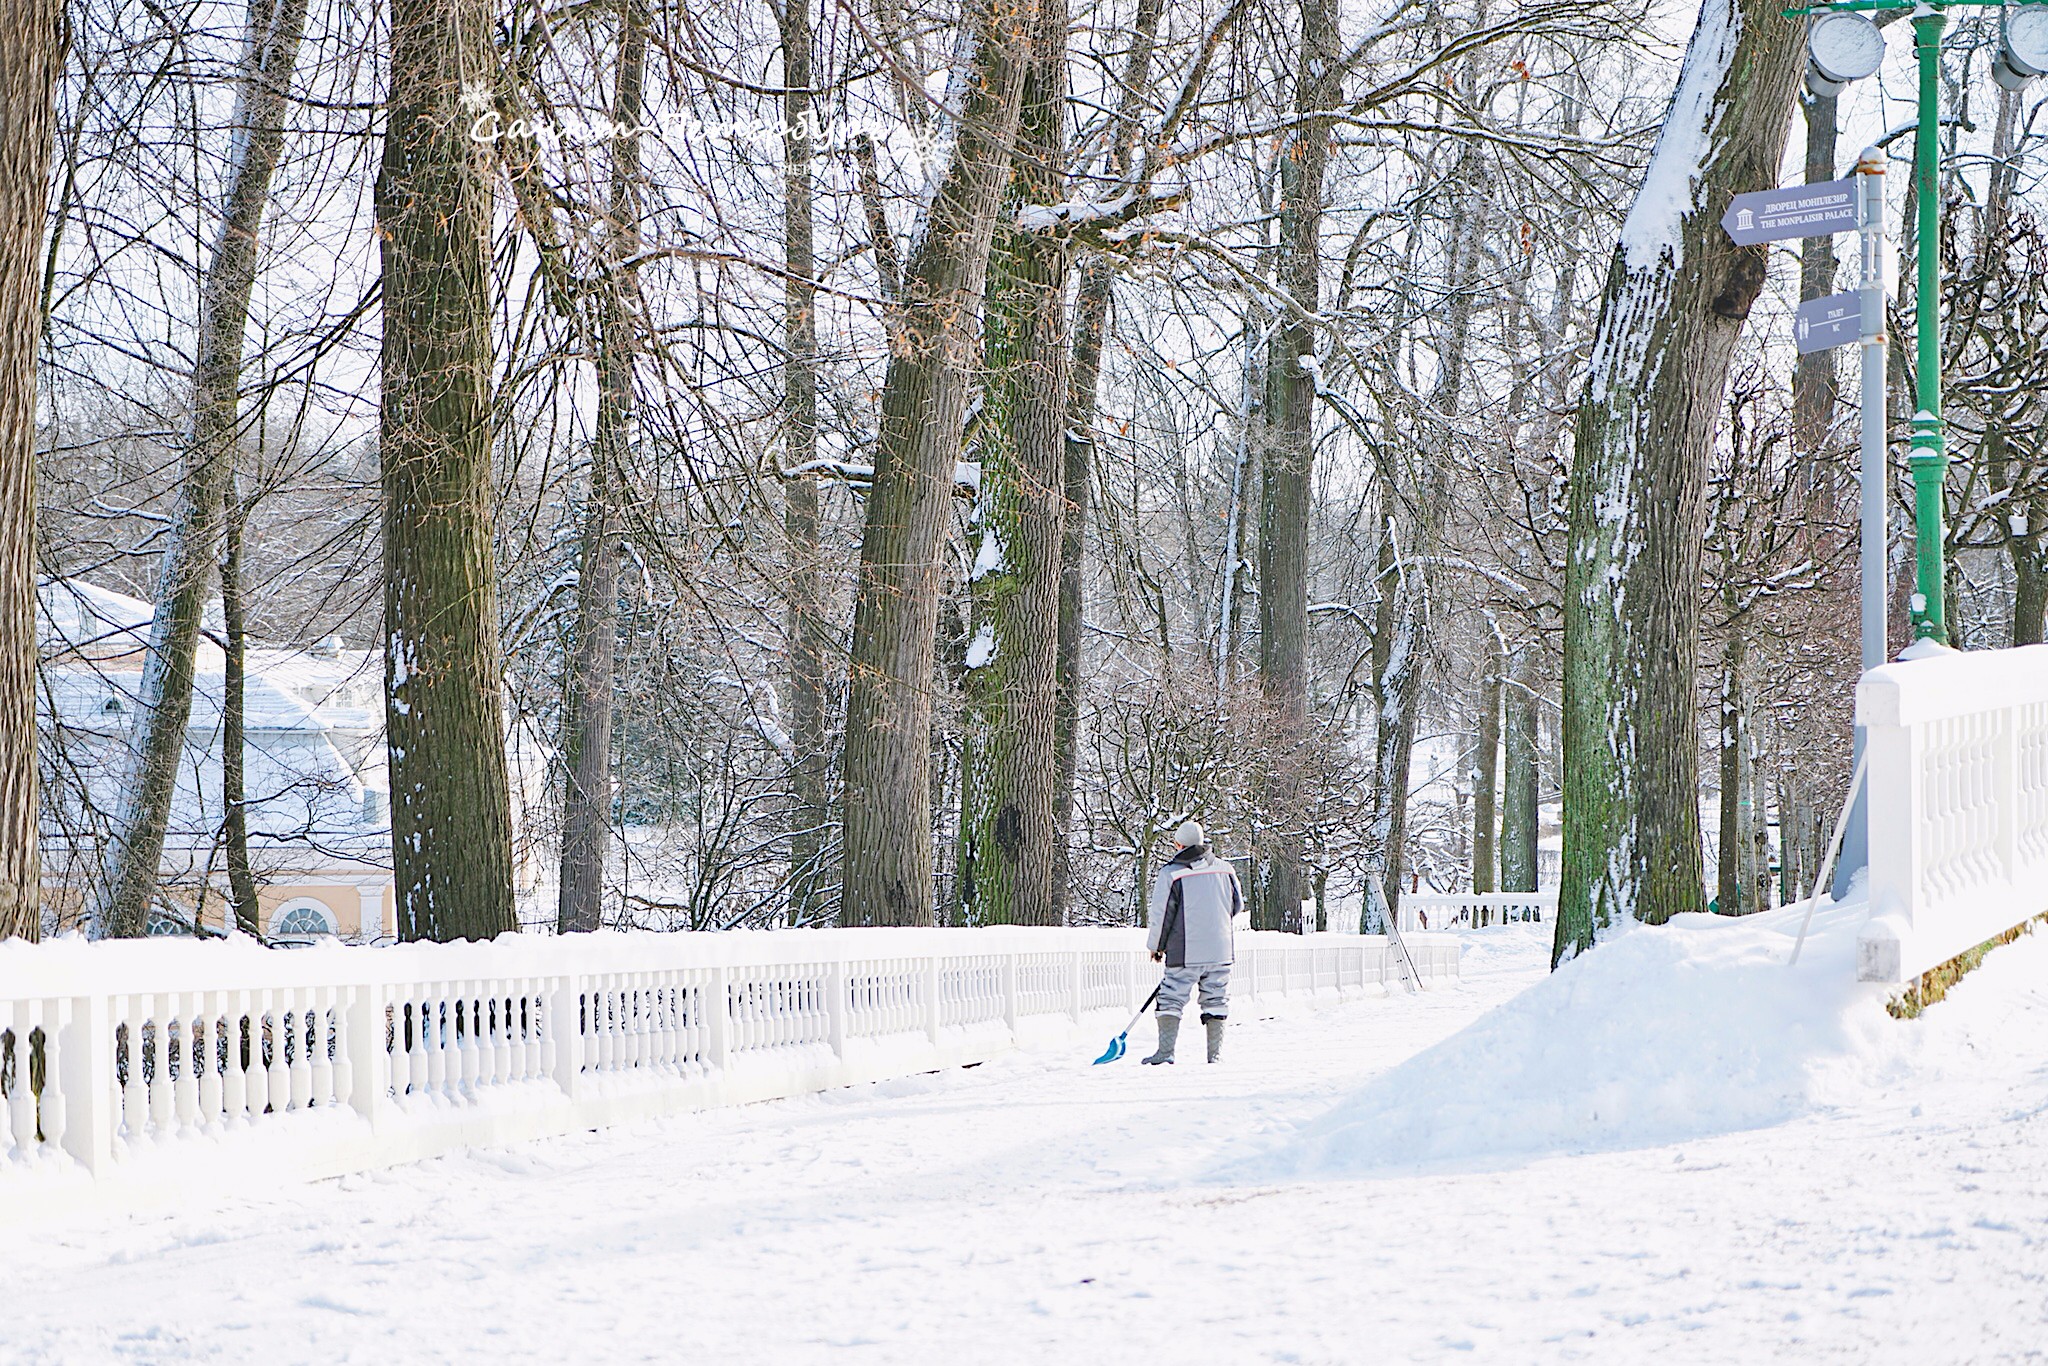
[161, 923]
[302, 917]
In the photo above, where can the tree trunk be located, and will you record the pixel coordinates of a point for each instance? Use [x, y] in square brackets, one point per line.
[1731, 886]
[808, 639]
[887, 768]
[1010, 768]
[451, 821]
[1519, 814]
[1676, 297]
[28, 70]
[233, 710]
[1288, 476]
[1091, 323]
[1486, 772]
[593, 659]
[1813, 379]
[1758, 820]
[192, 551]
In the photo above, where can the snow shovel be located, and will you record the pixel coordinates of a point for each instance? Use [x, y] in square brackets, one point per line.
[1116, 1045]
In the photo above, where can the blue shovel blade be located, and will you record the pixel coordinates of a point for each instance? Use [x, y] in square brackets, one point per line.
[1114, 1051]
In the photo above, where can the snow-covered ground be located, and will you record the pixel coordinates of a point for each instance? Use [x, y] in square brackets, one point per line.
[1675, 1151]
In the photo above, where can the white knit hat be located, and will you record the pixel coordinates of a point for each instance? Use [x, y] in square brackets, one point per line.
[1190, 834]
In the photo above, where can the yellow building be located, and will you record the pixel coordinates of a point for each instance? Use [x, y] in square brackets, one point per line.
[316, 790]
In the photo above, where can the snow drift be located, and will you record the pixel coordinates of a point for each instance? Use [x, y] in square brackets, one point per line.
[1661, 1034]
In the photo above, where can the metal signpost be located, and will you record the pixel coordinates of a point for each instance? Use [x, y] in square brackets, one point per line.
[1819, 211]
[1844, 46]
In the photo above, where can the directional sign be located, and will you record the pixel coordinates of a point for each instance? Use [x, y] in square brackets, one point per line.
[1801, 211]
[1832, 321]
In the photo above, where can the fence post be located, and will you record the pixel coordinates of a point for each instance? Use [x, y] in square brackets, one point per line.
[933, 977]
[835, 1005]
[718, 1017]
[1008, 976]
[369, 1059]
[86, 1078]
[1074, 998]
[565, 1027]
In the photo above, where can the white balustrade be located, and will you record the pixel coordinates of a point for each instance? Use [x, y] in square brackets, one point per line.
[133, 1060]
[1957, 773]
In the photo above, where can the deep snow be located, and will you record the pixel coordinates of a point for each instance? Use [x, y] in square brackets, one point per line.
[1849, 1188]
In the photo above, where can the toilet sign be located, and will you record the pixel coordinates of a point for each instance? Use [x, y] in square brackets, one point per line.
[1831, 321]
[1799, 211]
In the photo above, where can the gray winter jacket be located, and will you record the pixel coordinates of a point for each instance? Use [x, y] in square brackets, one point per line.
[1193, 900]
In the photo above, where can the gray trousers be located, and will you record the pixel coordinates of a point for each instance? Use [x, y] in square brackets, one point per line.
[1214, 980]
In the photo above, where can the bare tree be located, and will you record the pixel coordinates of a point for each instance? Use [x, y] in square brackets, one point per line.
[444, 713]
[587, 798]
[1009, 832]
[1675, 301]
[192, 551]
[887, 769]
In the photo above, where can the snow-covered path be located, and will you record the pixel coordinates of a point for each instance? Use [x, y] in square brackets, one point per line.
[1038, 1210]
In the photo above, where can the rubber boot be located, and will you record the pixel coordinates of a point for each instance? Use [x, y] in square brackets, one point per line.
[1169, 1030]
[1215, 1024]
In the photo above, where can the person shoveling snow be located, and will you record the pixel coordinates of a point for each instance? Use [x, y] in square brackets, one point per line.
[1194, 900]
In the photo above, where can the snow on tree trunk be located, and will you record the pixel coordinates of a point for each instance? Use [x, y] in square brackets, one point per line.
[1677, 294]
[451, 821]
[587, 757]
[1009, 763]
[28, 68]
[887, 766]
[185, 573]
[1288, 479]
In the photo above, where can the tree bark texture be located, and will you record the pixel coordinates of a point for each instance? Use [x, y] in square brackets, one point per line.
[1287, 480]
[809, 641]
[1486, 774]
[451, 820]
[28, 71]
[593, 658]
[1676, 297]
[887, 765]
[1009, 833]
[193, 550]
[234, 796]
[1813, 379]
[1732, 867]
[1519, 814]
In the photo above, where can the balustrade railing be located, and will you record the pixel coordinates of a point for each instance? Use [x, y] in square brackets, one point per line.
[1957, 776]
[130, 1061]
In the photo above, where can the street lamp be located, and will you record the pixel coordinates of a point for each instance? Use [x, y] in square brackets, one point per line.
[2023, 53]
[1843, 45]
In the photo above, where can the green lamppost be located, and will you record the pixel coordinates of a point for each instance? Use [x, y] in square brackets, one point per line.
[1844, 46]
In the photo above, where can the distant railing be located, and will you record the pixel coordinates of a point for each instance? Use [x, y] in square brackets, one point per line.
[1473, 910]
[1956, 751]
[152, 1061]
